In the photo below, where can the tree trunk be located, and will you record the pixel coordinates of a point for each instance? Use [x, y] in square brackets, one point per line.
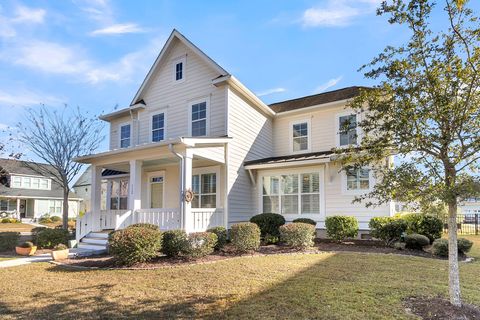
[65, 208]
[454, 272]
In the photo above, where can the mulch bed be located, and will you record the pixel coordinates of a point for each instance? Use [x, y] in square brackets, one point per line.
[321, 245]
[440, 309]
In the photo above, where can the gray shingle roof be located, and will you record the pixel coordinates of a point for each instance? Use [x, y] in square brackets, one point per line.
[291, 158]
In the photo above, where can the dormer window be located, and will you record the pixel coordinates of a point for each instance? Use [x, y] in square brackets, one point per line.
[179, 69]
[125, 131]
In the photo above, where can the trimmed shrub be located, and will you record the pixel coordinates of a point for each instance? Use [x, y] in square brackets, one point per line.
[305, 220]
[8, 240]
[341, 227]
[56, 219]
[297, 235]
[174, 242]
[200, 244]
[245, 236]
[440, 246]
[222, 236]
[49, 238]
[387, 229]
[416, 241]
[134, 245]
[464, 245]
[268, 223]
[144, 225]
[269, 239]
[26, 244]
[429, 226]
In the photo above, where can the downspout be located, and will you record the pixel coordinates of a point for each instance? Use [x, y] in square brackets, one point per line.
[182, 183]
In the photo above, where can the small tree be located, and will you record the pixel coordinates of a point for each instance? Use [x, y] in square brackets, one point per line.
[427, 110]
[57, 138]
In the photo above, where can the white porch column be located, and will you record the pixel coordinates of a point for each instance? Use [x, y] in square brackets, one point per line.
[96, 189]
[135, 192]
[19, 216]
[187, 206]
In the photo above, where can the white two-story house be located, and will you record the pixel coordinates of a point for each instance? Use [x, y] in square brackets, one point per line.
[197, 149]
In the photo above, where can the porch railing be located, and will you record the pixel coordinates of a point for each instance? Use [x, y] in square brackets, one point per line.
[165, 219]
[204, 218]
[108, 218]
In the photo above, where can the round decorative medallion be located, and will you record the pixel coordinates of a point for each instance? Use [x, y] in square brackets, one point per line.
[188, 195]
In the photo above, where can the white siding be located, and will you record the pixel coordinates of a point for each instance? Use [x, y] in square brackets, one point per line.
[163, 94]
[251, 133]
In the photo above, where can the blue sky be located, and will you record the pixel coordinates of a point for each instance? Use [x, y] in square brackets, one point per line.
[95, 53]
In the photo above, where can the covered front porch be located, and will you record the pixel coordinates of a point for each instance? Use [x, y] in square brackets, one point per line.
[176, 185]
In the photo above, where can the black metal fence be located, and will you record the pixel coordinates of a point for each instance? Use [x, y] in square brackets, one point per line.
[466, 224]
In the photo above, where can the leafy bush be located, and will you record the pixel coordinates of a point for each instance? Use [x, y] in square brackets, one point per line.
[341, 227]
[440, 246]
[222, 236]
[200, 244]
[416, 241]
[429, 226]
[269, 239]
[269, 223]
[305, 220]
[56, 219]
[26, 244]
[387, 229]
[134, 245]
[297, 235]
[49, 238]
[59, 247]
[35, 232]
[45, 218]
[245, 236]
[8, 240]
[174, 242]
[464, 245]
[10, 220]
[144, 225]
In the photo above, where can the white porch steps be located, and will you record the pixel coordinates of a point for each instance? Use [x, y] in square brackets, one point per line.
[95, 241]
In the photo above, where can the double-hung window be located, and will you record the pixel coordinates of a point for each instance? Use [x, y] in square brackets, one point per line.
[158, 127]
[292, 193]
[347, 130]
[179, 69]
[17, 182]
[205, 190]
[125, 132]
[199, 119]
[300, 136]
[357, 179]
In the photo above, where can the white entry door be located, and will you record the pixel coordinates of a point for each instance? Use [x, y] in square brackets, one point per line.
[156, 190]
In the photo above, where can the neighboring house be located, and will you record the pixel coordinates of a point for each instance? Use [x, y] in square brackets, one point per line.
[470, 206]
[25, 193]
[192, 126]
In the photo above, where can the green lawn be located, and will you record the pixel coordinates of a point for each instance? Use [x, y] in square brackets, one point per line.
[321, 286]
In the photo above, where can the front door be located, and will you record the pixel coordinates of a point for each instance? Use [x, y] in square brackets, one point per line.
[156, 191]
[23, 208]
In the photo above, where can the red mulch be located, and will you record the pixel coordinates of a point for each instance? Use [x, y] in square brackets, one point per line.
[321, 245]
[440, 309]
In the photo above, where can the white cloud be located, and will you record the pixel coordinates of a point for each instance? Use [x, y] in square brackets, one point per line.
[330, 83]
[271, 91]
[26, 98]
[337, 13]
[120, 28]
[22, 15]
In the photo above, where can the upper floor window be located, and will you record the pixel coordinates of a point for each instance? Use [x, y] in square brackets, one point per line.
[357, 179]
[179, 69]
[347, 130]
[158, 127]
[30, 183]
[125, 131]
[199, 119]
[300, 136]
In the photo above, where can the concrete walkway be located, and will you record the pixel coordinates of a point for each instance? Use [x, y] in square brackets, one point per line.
[45, 257]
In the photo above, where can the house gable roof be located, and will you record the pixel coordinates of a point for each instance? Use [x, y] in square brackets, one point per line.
[161, 57]
[317, 99]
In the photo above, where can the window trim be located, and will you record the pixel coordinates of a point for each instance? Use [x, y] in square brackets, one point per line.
[371, 182]
[309, 135]
[150, 175]
[154, 113]
[321, 189]
[120, 125]
[207, 170]
[337, 128]
[181, 59]
[22, 184]
[207, 115]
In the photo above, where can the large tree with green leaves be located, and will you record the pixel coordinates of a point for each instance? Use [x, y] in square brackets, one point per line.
[425, 109]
